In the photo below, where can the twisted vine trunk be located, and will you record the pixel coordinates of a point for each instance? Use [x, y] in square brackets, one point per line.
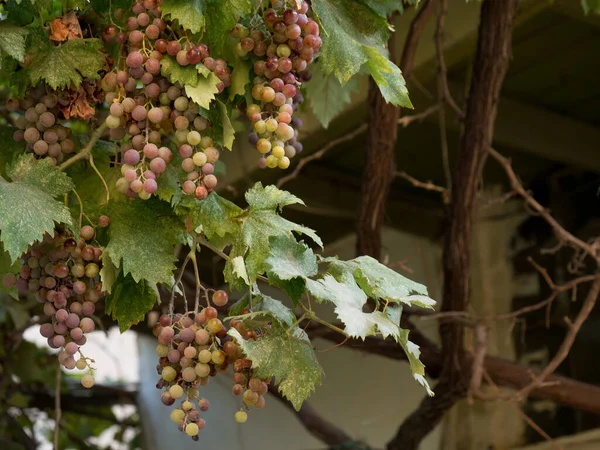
[489, 68]
[380, 160]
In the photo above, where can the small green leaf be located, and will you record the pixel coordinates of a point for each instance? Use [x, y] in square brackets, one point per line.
[142, 235]
[184, 75]
[228, 130]
[63, 65]
[203, 93]
[238, 268]
[215, 214]
[289, 263]
[130, 301]
[108, 273]
[388, 77]
[264, 303]
[8, 266]
[12, 40]
[240, 78]
[286, 357]
[168, 183]
[416, 366]
[327, 96]
[270, 197]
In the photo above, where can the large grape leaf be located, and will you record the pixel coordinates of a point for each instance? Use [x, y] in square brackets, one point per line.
[142, 235]
[27, 206]
[26, 169]
[380, 282]
[348, 25]
[63, 65]
[286, 357]
[388, 77]
[256, 225]
[289, 263]
[12, 40]
[130, 301]
[214, 214]
[327, 96]
[191, 14]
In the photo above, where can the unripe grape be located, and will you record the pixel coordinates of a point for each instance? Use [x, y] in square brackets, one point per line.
[250, 397]
[272, 162]
[168, 373]
[202, 369]
[218, 357]
[81, 364]
[278, 152]
[191, 429]
[87, 381]
[241, 417]
[162, 350]
[177, 415]
[176, 391]
[182, 58]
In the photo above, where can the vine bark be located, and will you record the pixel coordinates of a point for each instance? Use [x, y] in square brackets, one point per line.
[489, 68]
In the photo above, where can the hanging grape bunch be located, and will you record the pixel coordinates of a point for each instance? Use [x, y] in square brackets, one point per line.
[145, 107]
[63, 274]
[38, 126]
[281, 57]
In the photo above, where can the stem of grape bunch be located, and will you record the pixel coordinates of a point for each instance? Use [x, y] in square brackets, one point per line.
[85, 152]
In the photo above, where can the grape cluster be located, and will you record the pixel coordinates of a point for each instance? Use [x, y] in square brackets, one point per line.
[38, 126]
[192, 348]
[64, 276]
[281, 57]
[145, 106]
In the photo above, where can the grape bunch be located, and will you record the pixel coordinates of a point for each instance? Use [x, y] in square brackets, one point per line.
[146, 107]
[281, 57]
[38, 126]
[192, 348]
[63, 274]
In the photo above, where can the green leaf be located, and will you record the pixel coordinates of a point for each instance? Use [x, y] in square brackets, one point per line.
[240, 78]
[348, 25]
[264, 303]
[184, 75]
[108, 273]
[189, 13]
[9, 148]
[142, 235]
[228, 131]
[238, 269]
[203, 92]
[214, 214]
[28, 210]
[63, 65]
[327, 96]
[168, 183]
[12, 40]
[387, 7]
[591, 6]
[257, 225]
[380, 282]
[8, 266]
[289, 263]
[40, 173]
[286, 357]
[388, 77]
[416, 366]
[221, 17]
[130, 301]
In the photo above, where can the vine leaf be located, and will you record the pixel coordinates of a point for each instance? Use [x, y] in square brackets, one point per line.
[388, 77]
[189, 13]
[416, 366]
[184, 75]
[380, 282]
[238, 269]
[63, 65]
[130, 301]
[262, 302]
[108, 273]
[214, 214]
[256, 225]
[203, 92]
[228, 130]
[289, 263]
[7, 265]
[327, 96]
[240, 78]
[141, 239]
[12, 40]
[285, 356]
[347, 26]
[27, 206]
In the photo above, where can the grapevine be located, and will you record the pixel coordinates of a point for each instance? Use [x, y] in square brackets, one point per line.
[115, 151]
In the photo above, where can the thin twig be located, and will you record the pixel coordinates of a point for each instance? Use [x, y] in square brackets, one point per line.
[91, 160]
[407, 120]
[177, 282]
[427, 185]
[562, 234]
[85, 152]
[481, 334]
[57, 409]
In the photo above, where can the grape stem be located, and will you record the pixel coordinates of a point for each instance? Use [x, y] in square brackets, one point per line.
[85, 152]
[309, 314]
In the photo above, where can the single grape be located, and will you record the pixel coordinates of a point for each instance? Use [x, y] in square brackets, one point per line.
[220, 298]
[241, 417]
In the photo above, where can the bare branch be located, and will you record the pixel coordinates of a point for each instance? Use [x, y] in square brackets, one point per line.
[562, 234]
